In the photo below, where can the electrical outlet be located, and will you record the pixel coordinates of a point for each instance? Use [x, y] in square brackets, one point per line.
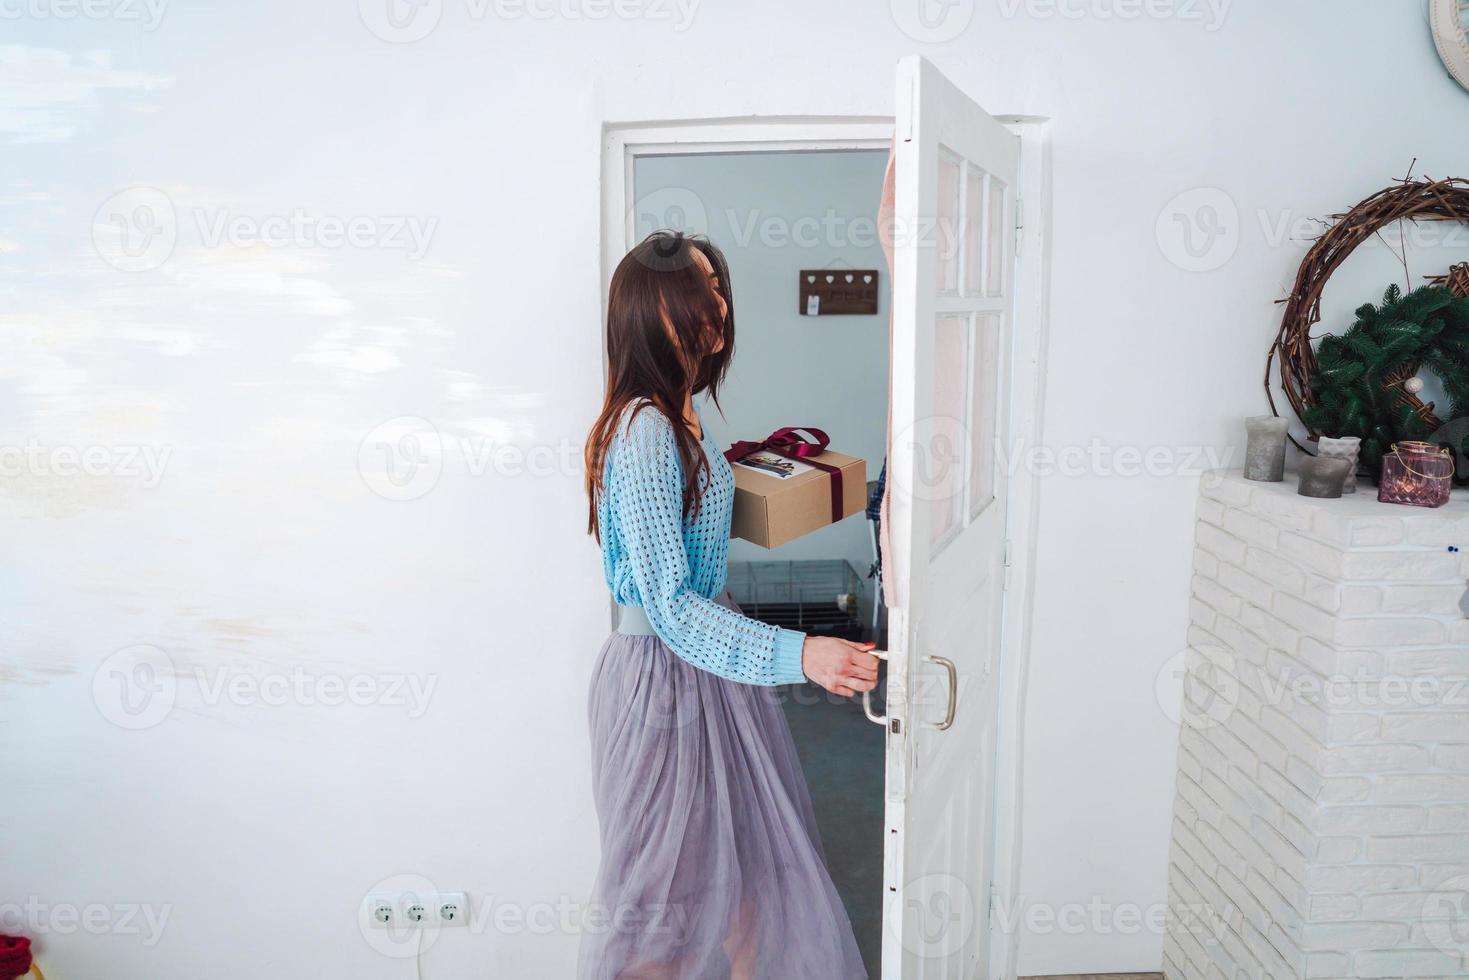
[453, 909]
[416, 910]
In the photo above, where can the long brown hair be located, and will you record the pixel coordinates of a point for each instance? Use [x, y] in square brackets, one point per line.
[663, 333]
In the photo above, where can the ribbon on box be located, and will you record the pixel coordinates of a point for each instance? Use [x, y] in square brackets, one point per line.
[790, 443]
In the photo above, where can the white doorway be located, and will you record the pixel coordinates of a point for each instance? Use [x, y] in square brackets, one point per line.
[964, 841]
[774, 214]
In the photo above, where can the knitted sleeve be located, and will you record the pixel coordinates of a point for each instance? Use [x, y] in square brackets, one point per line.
[646, 483]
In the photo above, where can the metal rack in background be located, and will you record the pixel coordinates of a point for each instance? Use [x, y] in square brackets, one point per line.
[820, 597]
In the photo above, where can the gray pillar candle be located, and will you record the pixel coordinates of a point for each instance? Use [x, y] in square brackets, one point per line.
[1323, 476]
[1265, 449]
[1347, 447]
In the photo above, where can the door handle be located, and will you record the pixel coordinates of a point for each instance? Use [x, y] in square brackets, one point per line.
[872, 716]
[953, 672]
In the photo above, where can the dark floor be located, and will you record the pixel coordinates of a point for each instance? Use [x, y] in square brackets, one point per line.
[842, 755]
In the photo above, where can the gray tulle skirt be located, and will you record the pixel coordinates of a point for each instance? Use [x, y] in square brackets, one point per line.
[711, 863]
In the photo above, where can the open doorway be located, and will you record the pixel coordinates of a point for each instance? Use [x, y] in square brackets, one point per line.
[971, 255]
[779, 216]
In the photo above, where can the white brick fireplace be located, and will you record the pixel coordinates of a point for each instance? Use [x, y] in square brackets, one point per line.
[1321, 821]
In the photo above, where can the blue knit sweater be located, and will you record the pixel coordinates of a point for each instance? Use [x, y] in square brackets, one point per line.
[674, 568]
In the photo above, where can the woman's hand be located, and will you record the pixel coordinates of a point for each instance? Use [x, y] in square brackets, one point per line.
[840, 666]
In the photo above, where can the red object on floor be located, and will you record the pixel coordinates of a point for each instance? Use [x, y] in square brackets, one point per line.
[15, 957]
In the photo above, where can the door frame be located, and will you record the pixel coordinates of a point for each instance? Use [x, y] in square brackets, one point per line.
[623, 143]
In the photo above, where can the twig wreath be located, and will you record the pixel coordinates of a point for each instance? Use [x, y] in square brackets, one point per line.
[1299, 369]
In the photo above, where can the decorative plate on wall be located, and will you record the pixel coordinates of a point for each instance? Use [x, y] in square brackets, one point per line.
[1451, 35]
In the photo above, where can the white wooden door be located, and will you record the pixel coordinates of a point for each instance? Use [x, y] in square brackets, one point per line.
[953, 278]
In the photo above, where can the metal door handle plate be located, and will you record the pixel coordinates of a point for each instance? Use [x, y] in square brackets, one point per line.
[953, 672]
[872, 716]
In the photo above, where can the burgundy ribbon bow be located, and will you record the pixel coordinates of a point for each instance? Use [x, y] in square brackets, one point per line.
[789, 442]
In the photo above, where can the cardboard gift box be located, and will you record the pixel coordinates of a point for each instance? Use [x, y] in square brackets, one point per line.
[779, 499]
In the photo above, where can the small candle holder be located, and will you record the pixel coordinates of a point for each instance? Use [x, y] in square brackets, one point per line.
[1417, 474]
[1265, 448]
[1346, 447]
[1324, 476]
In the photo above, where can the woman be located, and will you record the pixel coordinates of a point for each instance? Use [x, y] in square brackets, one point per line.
[711, 864]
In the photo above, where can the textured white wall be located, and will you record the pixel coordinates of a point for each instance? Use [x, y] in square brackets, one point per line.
[261, 369]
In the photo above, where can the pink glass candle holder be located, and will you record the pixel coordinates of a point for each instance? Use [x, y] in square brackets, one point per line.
[1417, 474]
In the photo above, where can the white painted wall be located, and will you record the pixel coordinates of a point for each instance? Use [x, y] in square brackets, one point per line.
[774, 214]
[262, 369]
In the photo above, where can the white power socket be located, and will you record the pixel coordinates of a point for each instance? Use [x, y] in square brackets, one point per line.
[415, 910]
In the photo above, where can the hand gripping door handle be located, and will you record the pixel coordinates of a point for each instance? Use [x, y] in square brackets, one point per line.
[872, 716]
[953, 707]
[953, 672]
